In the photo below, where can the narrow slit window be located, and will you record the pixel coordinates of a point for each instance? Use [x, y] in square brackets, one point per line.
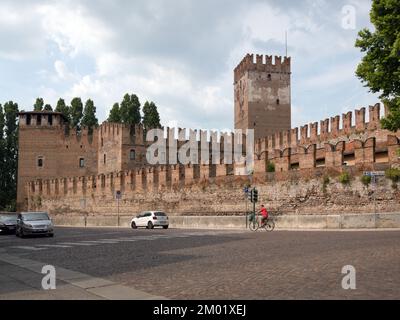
[40, 162]
[132, 155]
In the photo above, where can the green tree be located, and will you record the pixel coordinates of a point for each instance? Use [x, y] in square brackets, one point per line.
[130, 109]
[64, 109]
[380, 67]
[76, 113]
[151, 117]
[115, 114]
[89, 119]
[10, 157]
[1, 123]
[38, 106]
[48, 107]
[3, 170]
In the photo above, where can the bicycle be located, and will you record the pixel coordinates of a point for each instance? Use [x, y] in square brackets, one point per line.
[269, 225]
[254, 223]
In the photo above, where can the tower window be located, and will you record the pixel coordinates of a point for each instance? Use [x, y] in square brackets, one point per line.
[40, 162]
[102, 142]
[132, 155]
[81, 163]
[105, 159]
[278, 101]
[269, 77]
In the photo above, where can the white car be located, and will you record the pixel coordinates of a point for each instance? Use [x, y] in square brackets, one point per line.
[150, 219]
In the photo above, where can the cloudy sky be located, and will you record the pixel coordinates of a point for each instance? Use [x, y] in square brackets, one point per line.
[178, 53]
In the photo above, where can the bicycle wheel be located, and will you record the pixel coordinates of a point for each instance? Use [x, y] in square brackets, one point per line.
[270, 226]
[254, 225]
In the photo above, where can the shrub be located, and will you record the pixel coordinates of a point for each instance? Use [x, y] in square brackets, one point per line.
[344, 178]
[393, 174]
[366, 180]
[270, 167]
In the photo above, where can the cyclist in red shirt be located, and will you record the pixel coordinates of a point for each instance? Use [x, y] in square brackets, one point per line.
[264, 214]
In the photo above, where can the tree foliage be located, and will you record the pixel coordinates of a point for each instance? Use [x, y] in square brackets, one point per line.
[38, 106]
[8, 155]
[89, 119]
[115, 114]
[76, 112]
[380, 67]
[48, 107]
[151, 117]
[130, 109]
[64, 109]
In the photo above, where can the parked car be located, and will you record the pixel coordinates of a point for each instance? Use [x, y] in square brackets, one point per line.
[34, 223]
[150, 219]
[8, 222]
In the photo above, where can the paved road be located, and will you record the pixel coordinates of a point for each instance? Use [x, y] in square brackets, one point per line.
[110, 263]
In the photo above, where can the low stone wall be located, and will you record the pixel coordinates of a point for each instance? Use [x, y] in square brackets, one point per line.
[287, 222]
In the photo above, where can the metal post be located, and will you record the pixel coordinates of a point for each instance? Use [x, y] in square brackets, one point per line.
[374, 181]
[118, 210]
[254, 206]
[245, 199]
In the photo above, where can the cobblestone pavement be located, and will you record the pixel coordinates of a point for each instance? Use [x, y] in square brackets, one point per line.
[187, 264]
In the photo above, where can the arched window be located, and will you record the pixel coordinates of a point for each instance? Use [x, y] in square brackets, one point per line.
[40, 162]
[81, 162]
[269, 77]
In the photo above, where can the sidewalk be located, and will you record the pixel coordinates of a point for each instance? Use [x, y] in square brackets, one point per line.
[21, 279]
[18, 283]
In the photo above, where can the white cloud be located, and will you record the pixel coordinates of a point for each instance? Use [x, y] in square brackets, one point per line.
[178, 54]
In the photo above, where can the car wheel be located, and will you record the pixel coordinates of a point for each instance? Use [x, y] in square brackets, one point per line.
[150, 225]
[133, 225]
[165, 227]
[51, 235]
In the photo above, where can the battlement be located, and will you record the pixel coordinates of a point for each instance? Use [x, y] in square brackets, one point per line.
[361, 154]
[35, 119]
[335, 128]
[264, 63]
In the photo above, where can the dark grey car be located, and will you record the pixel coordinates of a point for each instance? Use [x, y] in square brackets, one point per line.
[8, 222]
[34, 223]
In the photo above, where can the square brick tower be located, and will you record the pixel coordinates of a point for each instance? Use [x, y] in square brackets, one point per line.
[262, 95]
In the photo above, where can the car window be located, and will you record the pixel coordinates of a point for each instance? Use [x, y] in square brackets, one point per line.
[160, 214]
[148, 214]
[37, 216]
[8, 218]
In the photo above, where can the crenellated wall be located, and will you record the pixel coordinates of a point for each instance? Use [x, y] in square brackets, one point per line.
[47, 149]
[306, 163]
[331, 146]
[349, 126]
